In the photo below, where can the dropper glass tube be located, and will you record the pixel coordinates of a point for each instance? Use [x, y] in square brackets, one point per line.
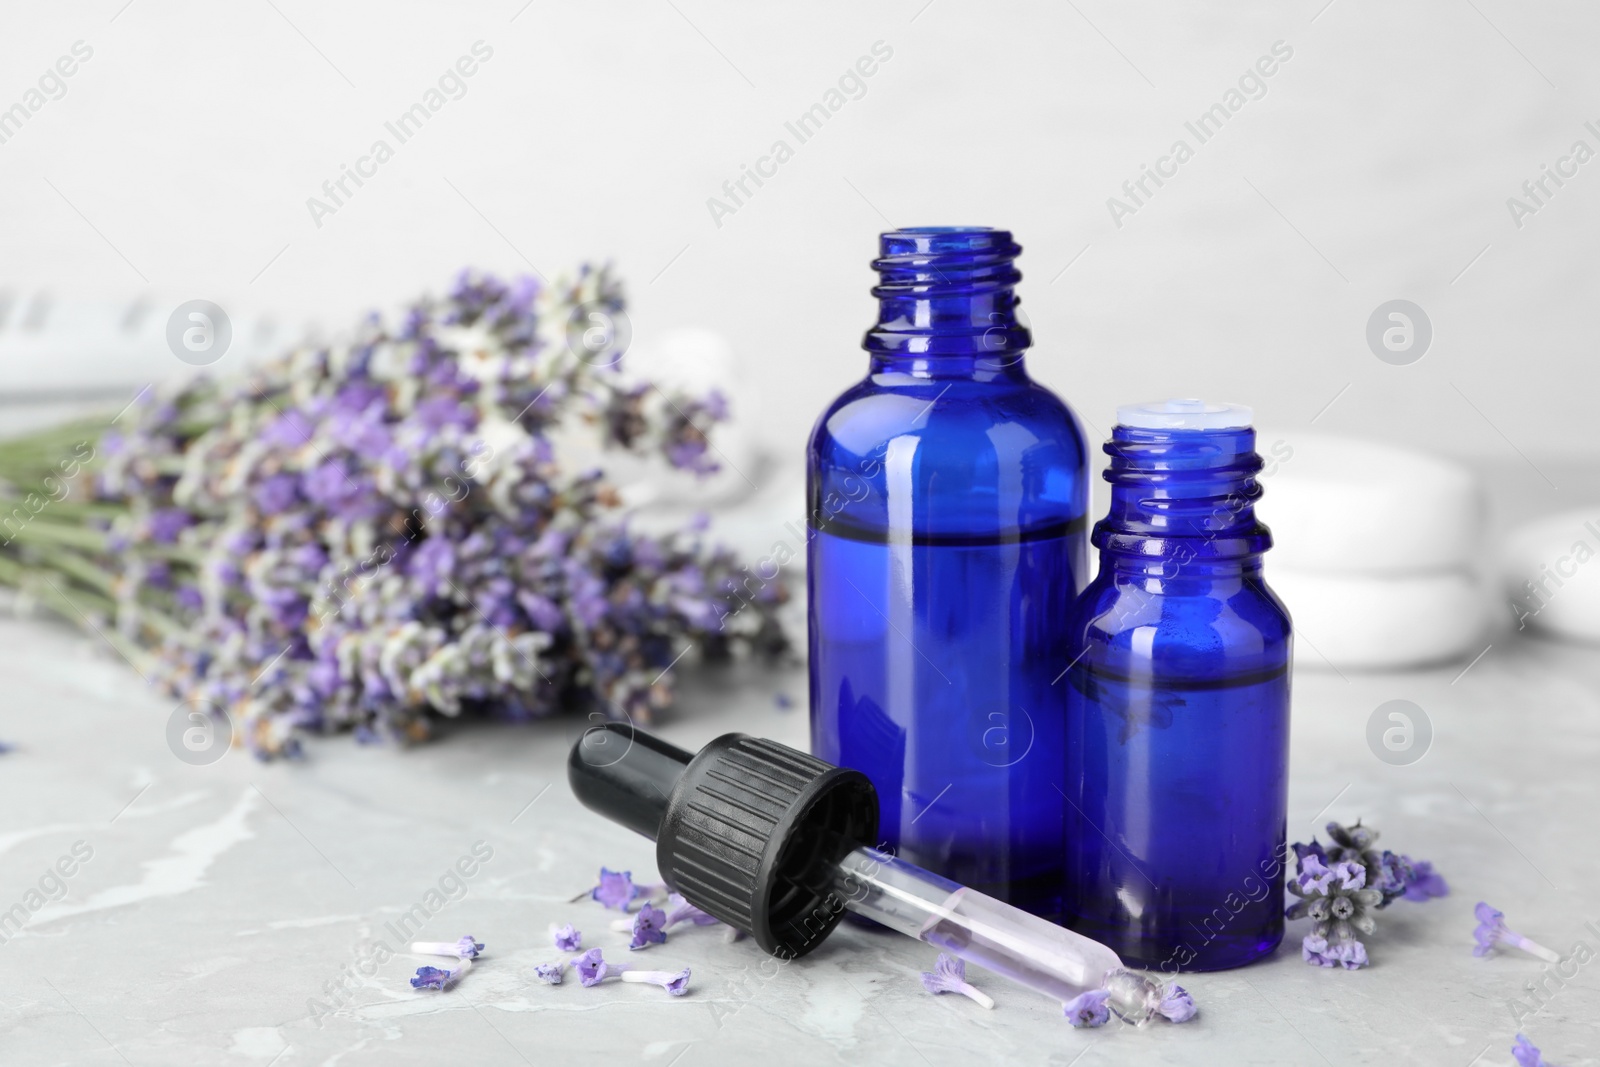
[993, 935]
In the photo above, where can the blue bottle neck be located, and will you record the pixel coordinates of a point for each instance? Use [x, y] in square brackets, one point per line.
[947, 304]
[1182, 504]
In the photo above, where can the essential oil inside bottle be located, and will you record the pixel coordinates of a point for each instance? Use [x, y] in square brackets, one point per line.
[1178, 704]
[947, 500]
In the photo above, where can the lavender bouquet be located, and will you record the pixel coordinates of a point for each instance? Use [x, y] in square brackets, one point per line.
[363, 534]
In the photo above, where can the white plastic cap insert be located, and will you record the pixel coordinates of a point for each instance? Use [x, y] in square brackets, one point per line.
[1184, 415]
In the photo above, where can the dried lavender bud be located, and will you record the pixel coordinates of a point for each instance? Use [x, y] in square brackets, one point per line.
[465, 948]
[566, 938]
[1425, 883]
[1527, 1054]
[1336, 901]
[949, 975]
[649, 927]
[1491, 933]
[439, 977]
[1088, 1009]
[1177, 1005]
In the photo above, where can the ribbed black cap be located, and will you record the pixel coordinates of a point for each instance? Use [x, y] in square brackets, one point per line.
[749, 831]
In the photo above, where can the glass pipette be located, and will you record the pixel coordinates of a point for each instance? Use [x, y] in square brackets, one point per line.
[768, 839]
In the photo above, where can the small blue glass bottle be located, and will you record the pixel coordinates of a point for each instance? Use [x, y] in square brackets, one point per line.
[1178, 703]
[947, 521]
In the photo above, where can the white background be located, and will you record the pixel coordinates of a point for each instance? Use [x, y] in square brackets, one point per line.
[1376, 166]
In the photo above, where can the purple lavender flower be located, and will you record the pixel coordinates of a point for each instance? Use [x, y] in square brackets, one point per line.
[676, 983]
[1527, 1054]
[440, 977]
[1177, 1004]
[1318, 951]
[1425, 883]
[680, 910]
[431, 978]
[465, 948]
[276, 494]
[593, 969]
[1301, 851]
[1492, 932]
[615, 890]
[550, 973]
[649, 927]
[1386, 872]
[1314, 950]
[566, 938]
[1392, 876]
[1349, 954]
[1314, 876]
[1088, 1009]
[291, 430]
[1338, 904]
[431, 564]
[949, 975]
[165, 524]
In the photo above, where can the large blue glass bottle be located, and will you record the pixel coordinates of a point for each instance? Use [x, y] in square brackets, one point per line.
[947, 513]
[1178, 704]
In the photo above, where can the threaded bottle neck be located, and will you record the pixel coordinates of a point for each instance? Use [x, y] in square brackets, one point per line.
[1184, 495]
[947, 301]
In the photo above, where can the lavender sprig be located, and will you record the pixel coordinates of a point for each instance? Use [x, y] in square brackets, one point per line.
[365, 534]
[1338, 904]
[1393, 875]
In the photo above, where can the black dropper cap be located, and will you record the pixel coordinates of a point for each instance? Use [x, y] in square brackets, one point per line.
[748, 830]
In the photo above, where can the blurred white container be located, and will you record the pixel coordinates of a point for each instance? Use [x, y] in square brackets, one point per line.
[1376, 622]
[1354, 506]
[1375, 550]
[1550, 575]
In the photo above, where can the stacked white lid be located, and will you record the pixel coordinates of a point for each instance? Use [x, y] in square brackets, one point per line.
[1549, 576]
[1375, 549]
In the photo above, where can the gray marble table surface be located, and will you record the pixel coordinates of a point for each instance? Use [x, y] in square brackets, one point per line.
[224, 909]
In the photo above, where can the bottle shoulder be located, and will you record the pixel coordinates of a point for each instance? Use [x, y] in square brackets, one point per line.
[947, 415]
[1234, 621]
[955, 458]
